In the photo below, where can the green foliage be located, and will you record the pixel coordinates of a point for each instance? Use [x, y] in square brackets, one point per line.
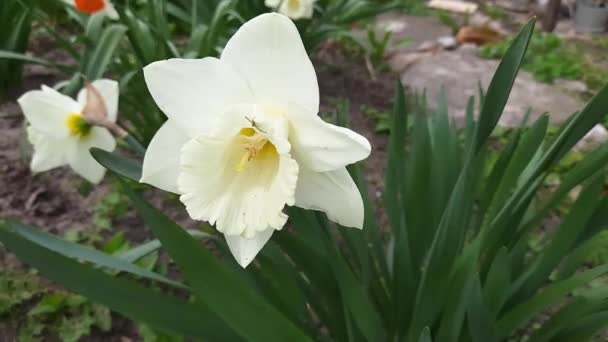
[16, 15]
[111, 206]
[548, 57]
[451, 264]
[381, 118]
[41, 312]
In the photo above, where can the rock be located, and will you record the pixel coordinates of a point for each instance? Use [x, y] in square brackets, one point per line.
[428, 46]
[461, 72]
[576, 87]
[402, 61]
[447, 42]
[514, 5]
[394, 26]
[469, 48]
[596, 136]
[417, 29]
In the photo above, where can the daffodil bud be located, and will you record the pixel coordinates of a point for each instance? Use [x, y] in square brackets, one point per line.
[95, 111]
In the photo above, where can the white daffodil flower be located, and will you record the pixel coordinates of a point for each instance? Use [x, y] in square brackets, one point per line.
[59, 133]
[95, 6]
[295, 9]
[243, 138]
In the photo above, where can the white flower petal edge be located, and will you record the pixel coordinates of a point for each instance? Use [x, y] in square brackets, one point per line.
[110, 11]
[47, 110]
[269, 54]
[45, 151]
[333, 192]
[81, 160]
[321, 146]
[245, 250]
[195, 92]
[294, 9]
[161, 162]
[109, 91]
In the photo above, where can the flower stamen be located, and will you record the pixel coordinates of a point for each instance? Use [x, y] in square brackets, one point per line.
[77, 126]
[254, 144]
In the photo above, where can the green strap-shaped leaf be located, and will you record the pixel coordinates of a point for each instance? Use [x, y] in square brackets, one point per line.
[502, 82]
[127, 297]
[247, 312]
[425, 336]
[550, 295]
[83, 253]
[567, 317]
[120, 165]
[101, 56]
[481, 322]
[142, 250]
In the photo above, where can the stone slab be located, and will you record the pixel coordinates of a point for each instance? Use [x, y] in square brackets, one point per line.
[461, 71]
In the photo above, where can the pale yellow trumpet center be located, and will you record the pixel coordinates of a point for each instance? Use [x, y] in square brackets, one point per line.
[257, 147]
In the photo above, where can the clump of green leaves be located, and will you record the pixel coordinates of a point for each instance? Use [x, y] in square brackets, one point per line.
[381, 118]
[35, 311]
[548, 58]
[111, 206]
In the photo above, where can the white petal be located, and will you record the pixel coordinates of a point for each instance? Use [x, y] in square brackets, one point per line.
[195, 92]
[81, 160]
[268, 52]
[272, 3]
[48, 153]
[245, 250]
[238, 202]
[161, 162]
[322, 146]
[110, 11]
[108, 89]
[334, 193]
[47, 111]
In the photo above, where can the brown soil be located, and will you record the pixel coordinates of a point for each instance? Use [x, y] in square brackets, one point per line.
[53, 202]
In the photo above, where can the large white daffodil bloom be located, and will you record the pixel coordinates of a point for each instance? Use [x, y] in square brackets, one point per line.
[59, 133]
[243, 138]
[295, 9]
[95, 6]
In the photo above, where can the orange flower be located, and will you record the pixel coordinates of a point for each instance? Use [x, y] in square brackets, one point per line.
[90, 6]
[95, 6]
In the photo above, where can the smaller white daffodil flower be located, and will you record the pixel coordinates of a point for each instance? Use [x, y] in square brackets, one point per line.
[59, 132]
[95, 6]
[294, 9]
[243, 138]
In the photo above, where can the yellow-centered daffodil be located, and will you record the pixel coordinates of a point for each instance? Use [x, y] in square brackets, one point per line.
[61, 135]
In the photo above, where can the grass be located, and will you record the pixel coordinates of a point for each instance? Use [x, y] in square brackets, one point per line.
[550, 57]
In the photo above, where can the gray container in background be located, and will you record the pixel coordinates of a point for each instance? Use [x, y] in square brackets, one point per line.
[590, 18]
